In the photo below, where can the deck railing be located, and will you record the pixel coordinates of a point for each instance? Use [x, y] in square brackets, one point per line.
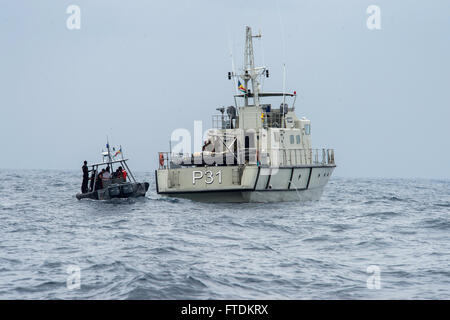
[289, 157]
[220, 121]
[276, 157]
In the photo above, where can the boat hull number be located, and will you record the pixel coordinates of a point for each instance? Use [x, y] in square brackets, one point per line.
[208, 176]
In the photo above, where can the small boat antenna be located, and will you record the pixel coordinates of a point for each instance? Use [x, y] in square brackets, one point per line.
[283, 48]
[284, 83]
[107, 147]
[233, 70]
[109, 153]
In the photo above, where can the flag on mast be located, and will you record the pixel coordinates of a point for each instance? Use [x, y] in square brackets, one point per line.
[241, 87]
[118, 152]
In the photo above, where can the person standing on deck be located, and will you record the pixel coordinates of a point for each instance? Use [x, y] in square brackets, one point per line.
[99, 182]
[84, 185]
[106, 174]
[91, 184]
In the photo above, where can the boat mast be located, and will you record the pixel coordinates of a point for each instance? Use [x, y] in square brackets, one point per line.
[250, 73]
[109, 154]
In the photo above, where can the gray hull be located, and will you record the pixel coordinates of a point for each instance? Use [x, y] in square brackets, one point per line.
[125, 190]
[254, 184]
[252, 196]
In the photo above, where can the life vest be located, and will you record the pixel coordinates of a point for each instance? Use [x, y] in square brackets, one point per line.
[124, 173]
[161, 159]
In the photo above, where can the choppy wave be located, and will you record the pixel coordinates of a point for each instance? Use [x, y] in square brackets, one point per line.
[162, 248]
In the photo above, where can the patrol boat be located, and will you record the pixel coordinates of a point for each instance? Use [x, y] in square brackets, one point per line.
[257, 150]
[118, 186]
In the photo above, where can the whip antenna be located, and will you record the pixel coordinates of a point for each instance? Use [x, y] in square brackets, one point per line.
[233, 71]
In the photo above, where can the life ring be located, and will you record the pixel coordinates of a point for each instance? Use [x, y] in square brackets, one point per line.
[161, 159]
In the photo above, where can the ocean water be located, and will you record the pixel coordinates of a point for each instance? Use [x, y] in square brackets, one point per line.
[162, 248]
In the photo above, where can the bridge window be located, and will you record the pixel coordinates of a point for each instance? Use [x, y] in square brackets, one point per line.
[292, 139]
[307, 129]
[298, 139]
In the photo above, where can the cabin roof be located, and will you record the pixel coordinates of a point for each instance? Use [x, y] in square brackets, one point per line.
[267, 94]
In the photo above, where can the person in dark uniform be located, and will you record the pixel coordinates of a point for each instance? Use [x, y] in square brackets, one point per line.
[84, 185]
[92, 178]
[99, 182]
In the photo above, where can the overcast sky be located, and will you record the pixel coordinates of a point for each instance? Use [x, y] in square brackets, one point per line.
[137, 70]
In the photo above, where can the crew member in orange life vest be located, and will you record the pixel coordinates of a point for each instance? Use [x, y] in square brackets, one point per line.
[121, 173]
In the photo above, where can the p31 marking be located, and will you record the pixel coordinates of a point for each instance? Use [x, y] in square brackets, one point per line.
[208, 175]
